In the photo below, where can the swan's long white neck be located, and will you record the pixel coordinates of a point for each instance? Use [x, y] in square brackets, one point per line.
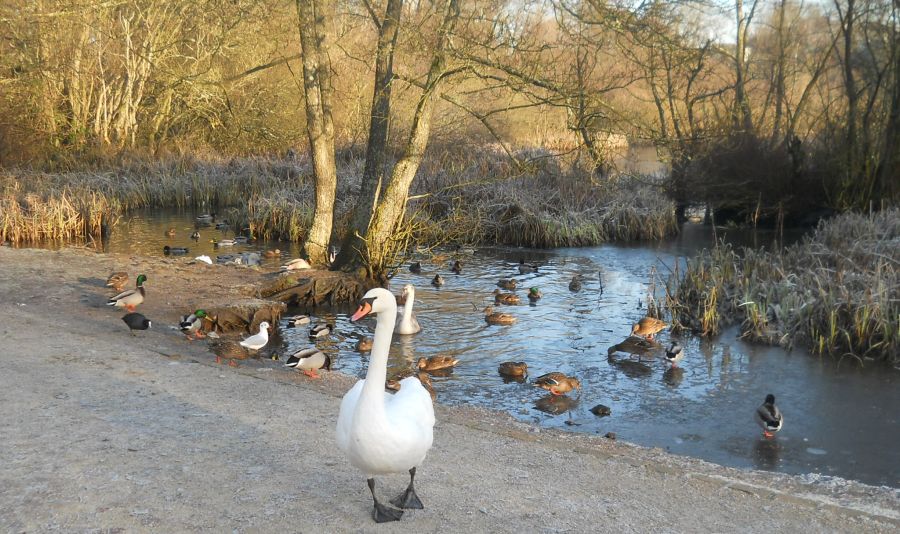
[408, 305]
[373, 391]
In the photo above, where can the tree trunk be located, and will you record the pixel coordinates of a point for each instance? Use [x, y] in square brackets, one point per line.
[886, 173]
[850, 87]
[313, 16]
[381, 245]
[351, 256]
[743, 119]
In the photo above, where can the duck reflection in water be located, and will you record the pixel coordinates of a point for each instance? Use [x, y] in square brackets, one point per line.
[766, 454]
[673, 376]
[630, 368]
[556, 404]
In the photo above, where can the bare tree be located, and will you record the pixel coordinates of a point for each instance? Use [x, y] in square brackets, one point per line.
[314, 18]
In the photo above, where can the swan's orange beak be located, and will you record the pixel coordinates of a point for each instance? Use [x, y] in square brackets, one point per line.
[365, 308]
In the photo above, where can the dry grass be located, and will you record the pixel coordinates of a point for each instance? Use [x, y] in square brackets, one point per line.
[838, 291]
[483, 198]
[476, 195]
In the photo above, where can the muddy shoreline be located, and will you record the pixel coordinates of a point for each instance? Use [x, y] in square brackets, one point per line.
[103, 430]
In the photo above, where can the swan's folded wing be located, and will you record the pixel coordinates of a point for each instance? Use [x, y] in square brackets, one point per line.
[345, 416]
[413, 402]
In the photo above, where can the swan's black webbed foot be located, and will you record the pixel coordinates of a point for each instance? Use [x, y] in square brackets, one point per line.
[382, 513]
[408, 499]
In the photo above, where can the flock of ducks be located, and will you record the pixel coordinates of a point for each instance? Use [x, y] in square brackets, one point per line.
[384, 433]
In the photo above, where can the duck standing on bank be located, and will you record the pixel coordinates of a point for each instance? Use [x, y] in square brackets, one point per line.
[383, 433]
[117, 280]
[309, 360]
[131, 298]
[191, 324]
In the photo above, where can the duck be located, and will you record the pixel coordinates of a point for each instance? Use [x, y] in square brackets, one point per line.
[534, 294]
[507, 283]
[575, 284]
[513, 369]
[204, 218]
[175, 251]
[242, 239]
[296, 264]
[298, 320]
[456, 267]
[136, 321]
[647, 327]
[408, 324]
[204, 259]
[229, 350]
[223, 242]
[505, 298]
[364, 344]
[526, 268]
[557, 383]
[257, 341]
[131, 298]
[308, 361]
[674, 354]
[437, 281]
[195, 236]
[769, 417]
[633, 345]
[117, 280]
[222, 225]
[384, 433]
[498, 318]
[321, 330]
[272, 253]
[170, 232]
[192, 324]
[416, 267]
[435, 363]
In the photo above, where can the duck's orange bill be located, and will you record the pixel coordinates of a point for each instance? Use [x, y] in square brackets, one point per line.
[362, 311]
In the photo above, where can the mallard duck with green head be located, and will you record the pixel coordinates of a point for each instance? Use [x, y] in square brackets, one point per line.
[131, 298]
[192, 324]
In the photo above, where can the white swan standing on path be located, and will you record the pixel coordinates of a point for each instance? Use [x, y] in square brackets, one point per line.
[383, 433]
[408, 323]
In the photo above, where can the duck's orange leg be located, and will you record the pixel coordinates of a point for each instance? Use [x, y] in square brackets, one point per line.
[129, 307]
[232, 363]
[311, 373]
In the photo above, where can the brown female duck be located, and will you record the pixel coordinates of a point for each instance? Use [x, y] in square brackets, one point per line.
[557, 383]
[505, 298]
[492, 317]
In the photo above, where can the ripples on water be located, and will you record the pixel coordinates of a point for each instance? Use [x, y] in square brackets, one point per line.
[839, 419]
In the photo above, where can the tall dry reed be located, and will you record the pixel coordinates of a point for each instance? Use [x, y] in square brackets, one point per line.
[838, 291]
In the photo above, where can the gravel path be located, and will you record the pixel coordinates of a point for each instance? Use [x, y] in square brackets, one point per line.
[102, 431]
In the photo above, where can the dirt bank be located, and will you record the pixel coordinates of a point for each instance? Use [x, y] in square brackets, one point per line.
[104, 431]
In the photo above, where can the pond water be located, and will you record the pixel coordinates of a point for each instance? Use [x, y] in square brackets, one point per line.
[840, 419]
